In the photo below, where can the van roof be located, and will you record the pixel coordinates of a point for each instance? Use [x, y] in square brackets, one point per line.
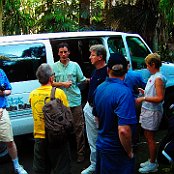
[4, 39]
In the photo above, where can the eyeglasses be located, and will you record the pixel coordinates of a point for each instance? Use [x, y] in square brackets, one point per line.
[92, 56]
[53, 74]
[61, 52]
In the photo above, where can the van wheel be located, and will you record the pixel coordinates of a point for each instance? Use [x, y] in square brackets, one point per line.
[3, 151]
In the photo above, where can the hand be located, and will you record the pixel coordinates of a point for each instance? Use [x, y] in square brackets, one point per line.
[131, 155]
[2, 93]
[139, 100]
[141, 90]
[67, 84]
[87, 80]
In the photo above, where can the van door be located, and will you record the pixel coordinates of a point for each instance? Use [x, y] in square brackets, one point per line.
[79, 52]
[138, 52]
[134, 49]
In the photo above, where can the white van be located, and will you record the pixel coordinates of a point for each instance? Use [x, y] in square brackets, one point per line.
[21, 55]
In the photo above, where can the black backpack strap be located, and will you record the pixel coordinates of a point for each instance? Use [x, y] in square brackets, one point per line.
[52, 95]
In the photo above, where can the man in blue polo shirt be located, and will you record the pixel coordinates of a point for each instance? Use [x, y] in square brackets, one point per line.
[114, 109]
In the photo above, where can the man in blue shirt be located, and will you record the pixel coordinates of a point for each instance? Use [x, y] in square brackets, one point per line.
[98, 59]
[134, 80]
[114, 109]
[6, 133]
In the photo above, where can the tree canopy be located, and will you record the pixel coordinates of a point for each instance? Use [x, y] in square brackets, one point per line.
[153, 19]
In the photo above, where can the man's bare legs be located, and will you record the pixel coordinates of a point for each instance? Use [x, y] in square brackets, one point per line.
[12, 150]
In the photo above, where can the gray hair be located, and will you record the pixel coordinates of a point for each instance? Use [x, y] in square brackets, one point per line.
[43, 73]
[99, 49]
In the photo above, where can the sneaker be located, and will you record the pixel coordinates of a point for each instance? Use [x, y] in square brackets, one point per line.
[89, 170]
[151, 167]
[145, 163]
[20, 170]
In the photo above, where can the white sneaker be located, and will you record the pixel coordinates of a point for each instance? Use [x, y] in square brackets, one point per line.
[20, 170]
[89, 170]
[145, 163]
[151, 167]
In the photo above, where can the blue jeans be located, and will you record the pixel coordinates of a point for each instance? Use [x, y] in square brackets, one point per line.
[114, 162]
[91, 131]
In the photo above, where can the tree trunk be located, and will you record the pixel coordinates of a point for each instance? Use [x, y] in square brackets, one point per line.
[1, 9]
[84, 13]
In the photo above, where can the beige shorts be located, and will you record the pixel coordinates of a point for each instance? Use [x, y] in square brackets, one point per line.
[6, 133]
[150, 120]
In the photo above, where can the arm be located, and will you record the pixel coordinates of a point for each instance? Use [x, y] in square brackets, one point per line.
[62, 84]
[125, 136]
[96, 121]
[160, 90]
[5, 92]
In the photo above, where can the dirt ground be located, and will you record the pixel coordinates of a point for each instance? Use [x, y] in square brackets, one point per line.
[26, 157]
[141, 155]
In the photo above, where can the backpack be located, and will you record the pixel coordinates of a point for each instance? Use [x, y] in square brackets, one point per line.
[58, 119]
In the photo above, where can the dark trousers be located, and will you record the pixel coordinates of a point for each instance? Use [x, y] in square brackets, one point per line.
[113, 163]
[79, 129]
[46, 160]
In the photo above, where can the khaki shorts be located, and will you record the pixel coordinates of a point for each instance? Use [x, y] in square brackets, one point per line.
[6, 133]
[150, 120]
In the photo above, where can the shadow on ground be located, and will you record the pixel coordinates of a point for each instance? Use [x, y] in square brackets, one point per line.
[25, 148]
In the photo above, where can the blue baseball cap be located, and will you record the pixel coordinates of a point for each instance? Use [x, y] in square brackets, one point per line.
[117, 62]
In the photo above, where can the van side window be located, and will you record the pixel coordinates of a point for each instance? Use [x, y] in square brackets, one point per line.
[79, 51]
[20, 61]
[138, 52]
[115, 45]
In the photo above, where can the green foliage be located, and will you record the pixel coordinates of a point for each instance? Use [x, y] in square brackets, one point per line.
[167, 8]
[140, 17]
[165, 53]
[38, 16]
[56, 16]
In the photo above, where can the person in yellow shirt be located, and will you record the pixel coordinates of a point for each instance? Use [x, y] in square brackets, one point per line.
[46, 159]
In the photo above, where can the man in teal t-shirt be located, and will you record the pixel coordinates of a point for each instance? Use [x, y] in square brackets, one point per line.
[67, 75]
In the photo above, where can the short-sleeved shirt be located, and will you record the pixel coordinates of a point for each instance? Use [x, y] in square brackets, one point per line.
[5, 82]
[70, 72]
[114, 105]
[36, 99]
[98, 76]
[134, 80]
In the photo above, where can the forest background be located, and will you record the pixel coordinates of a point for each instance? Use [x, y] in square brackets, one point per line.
[152, 19]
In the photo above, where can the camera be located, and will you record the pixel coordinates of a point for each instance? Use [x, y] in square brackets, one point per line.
[2, 87]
